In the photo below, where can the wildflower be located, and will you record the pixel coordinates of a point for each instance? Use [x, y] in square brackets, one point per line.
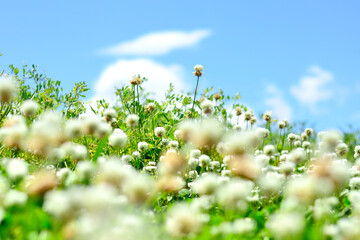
[8, 89]
[287, 167]
[159, 131]
[109, 114]
[207, 106]
[270, 183]
[357, 152]
[286, 225]
[136, 80]
[183, 221]
[142, 146]
[16, 168]
[136, 154]
[269, 150]
[42, 182]
[29, 108]
[234, 193]
[238, 111]
[150, 107]
[118, 138]
[195, 153]
[198, 70]
[15, 198]
[341, 149]
[132, 120]
[267, 116]
[253, 120]
[138, 188]
[308, 131]
[248, 115]
[205, 184]
[217, 96]
[281, 124]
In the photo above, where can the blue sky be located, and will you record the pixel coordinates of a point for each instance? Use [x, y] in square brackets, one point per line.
[299, 59]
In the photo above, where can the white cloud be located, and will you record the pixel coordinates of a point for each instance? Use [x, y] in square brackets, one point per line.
[159, 43]
[314, 87]
[279, 107]
[119, 74]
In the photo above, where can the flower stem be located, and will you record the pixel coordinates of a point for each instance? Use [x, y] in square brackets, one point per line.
[197, 84]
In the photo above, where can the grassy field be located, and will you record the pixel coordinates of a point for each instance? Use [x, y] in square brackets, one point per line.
[192, 166]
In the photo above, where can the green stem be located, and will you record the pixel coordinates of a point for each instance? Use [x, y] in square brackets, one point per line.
[134, 99]
[138, 98]
[197, 84]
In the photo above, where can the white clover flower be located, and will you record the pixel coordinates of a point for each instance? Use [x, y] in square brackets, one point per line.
[269, 150]
[237, 127]
[160, 131]
[304, 137]
[8, 88]
[341, 149]
[357, 152]
[138, 188]
[207, 106]
[308, 131]
[182, 220]
[198, 68]
[262, 160]
[195, 153]
[142, 146]
[330, 140]
[74, 128]
[174, 144]
[58, 204]
[241, 142]
[14, 132]
[132, 120]
[286, 225]
[136, 154]
[348, 228]
[109, 114]
[234, 193]
[91, 125]
[270, 183]
[204, 161]
[305, 144]
[85, 170]
[239, 226]
[281, 124]
[238, 111]
[15, 198]
[193, 174]
[206, 132]
[126, 158]
[205, 184]
[262, 132]
[193, 163]
[355, 183]
[248, 115]
[103, 130]
[62, 174]
[297, 155]
[291, 137]
[150, 107]
[118, 138]
[287, 167]
[267, 116]
[29, 108]
[324, 207]
[297, 144]
[16, 168]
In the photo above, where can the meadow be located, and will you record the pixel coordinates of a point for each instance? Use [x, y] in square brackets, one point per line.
[196, 165]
